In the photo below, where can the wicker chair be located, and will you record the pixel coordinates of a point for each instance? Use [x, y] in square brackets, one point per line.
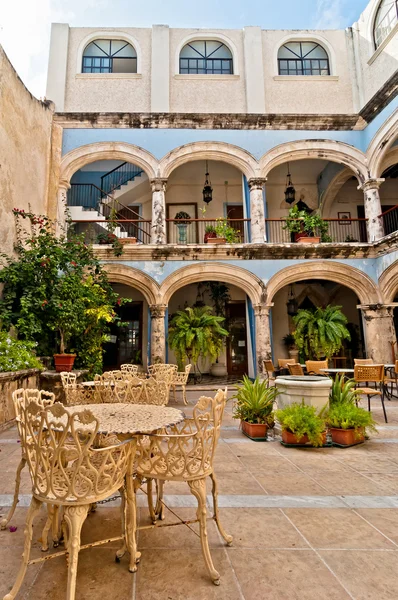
[20, 397]
[181, 379]
[313, 366]
[284, 362]
[68, 472]
[127, 368]
[392, 379]
[295, 369]
[371, 374]
[363, 361]
[186, 453]
[270, 371]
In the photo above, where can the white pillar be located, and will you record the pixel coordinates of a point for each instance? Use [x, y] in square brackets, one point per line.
[158, 337]
[257, 218]
[378, 323]
[160, 69]
[254, 69]
[62, 202]
[57, 65]
[263, 335]
[372, 206]
[158, 226]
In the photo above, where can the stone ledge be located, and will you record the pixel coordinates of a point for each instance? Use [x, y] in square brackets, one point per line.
[14, 375]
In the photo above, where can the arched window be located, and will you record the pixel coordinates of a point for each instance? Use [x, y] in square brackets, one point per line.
[207, 57]
[303, 58]
[385, 21]
[109, 56]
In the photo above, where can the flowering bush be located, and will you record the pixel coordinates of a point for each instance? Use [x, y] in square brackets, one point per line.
[16, 355]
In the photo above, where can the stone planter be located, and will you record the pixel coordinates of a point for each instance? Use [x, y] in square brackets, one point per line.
[313, 389]
[218, 370]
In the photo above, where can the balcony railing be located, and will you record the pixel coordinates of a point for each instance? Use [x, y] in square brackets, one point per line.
[339, 230]
[390, 220]
[193, 232]
[123, 228]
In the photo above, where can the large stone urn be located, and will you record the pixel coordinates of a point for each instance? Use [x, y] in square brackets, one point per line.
[313, 389]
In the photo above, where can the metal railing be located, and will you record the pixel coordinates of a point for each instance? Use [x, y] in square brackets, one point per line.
[96, 230]
[339, 230]
[193, 232]
[390, 220]
[122, 174]
[87, 195]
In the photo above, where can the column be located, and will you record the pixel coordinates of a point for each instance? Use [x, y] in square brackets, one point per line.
[158, 226]
[378, 323]
[158, 337]
[254, 69]
[373, 208]
[263, 336]
[160, 69]
[257, 223]
[62, 203]
[57, 65]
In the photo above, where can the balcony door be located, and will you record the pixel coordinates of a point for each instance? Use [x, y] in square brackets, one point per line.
[125, 345]
[237, 339]
[235, 216]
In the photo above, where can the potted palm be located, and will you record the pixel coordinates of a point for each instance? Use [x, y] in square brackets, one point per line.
[308, 228]
[320, 332]
[182, 220]
[302, 425]
[254, 407]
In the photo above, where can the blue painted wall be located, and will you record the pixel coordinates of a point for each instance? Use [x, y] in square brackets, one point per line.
[88, 177]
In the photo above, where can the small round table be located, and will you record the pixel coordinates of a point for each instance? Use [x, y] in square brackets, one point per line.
[337, 371]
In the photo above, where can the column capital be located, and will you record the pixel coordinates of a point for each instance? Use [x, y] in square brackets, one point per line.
[158, 311]
[262, 310]
[371, 184]
[381, 310]
[63, 185]
[256, 183]
[158, 184]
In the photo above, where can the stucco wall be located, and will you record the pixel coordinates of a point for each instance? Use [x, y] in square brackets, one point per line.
[9, 383]
[25, 138]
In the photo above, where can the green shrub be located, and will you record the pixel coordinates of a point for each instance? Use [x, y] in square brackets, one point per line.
[255, 401]
[349, 416]
[342, 391]
[16, 355]
[302, 419]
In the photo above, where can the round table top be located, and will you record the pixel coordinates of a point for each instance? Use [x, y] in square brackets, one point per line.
[339, 370]
[131, 418]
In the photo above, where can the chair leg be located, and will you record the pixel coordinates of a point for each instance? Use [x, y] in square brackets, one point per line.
[174, 393]
[198, 489]
[382, 403]
[47, 527]
[74, 517]
[216, 516]
[32, 512]
[4, 522]
[55, 527]
[159, 508]
[152, 512]
[184, 394]
[131, 522]
[368, 403]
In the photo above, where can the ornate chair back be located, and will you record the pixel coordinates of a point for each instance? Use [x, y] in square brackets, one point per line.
[369, 373]
[68, 379]
[363, 361]
[295, 369]
[127, 368]
[163, 372]
[181, 377]
[155, 392]
[314, 366]
[22, 396]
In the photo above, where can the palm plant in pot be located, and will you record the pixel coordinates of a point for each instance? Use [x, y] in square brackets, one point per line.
[254, 407]
[320, 333]
[290, 344]
[302, 425]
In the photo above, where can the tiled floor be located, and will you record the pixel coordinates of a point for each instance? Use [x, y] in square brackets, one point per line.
[316, 524]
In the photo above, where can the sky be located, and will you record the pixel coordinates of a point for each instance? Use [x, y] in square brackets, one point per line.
[25, 25]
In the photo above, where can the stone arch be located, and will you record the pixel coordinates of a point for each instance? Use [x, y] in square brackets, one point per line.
[333, 189]
[331, 150]
[381, 144]
[221, 151]
[77, 158]
[351, 277]
[388, 282]
[213, 271]
[134, 278]
[389, 159]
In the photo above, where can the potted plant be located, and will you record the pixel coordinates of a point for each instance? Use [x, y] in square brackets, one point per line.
[308, 228]
[182, 220]
[210, 233]
[220, 296]
[225, 234]
[254, 407]
[302, 425]
[290, 344]
[319, 333]
[348, 423]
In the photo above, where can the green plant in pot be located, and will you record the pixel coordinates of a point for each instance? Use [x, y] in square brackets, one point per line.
[254, 407]
[210, 233]
[320, 332]
[182, 220]
[225, 233]
[302, 425]
[290, 344]
[306, 227]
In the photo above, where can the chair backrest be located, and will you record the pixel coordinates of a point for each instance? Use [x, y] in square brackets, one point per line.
[68, 379]
[372, 373]
[363, 361]
[163, 372]
[63, 465]
[295, 369]
[181, 377]
[127, 368]
[396, 366]
[269, 367]
[283, 362]
[155, 391]
[21, 396]
[314, 366]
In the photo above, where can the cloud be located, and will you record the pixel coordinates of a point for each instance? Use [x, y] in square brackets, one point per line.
[329, 15]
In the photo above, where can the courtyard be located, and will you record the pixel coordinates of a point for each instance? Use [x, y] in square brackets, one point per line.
[306, 523]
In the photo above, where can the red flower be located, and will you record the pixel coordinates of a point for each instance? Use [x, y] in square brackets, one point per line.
[73, 263]
[44, 303]
[119, 301]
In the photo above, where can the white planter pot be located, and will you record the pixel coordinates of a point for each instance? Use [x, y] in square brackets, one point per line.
[314, 390]
[218, 370]
[294, 355]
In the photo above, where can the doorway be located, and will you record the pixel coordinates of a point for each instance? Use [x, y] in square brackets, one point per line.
[125, 345]
[237, 363]
[235, 216]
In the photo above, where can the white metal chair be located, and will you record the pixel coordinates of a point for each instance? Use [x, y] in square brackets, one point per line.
[180, 378]
[128, 368]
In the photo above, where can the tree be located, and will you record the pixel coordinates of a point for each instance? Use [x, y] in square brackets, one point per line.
[320, 333]
[196, 332]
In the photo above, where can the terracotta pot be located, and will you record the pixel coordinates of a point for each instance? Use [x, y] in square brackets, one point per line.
[347, 437]
[210, 235]
[128, 240]
[289, 438]
[64, 362]
[308, 240]
[216, 240]
[255, 430]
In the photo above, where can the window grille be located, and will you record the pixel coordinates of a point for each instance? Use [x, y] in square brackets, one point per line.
[109, 56]
[206, 57]
[386, 19]
[303, 58]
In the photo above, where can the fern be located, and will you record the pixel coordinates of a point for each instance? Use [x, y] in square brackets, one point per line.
[320, 333]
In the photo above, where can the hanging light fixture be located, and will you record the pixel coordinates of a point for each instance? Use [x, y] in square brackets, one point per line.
[292, 305]
[290, 192]
[207, 189]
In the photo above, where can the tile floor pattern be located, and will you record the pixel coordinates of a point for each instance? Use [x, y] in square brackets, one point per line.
[314, 524]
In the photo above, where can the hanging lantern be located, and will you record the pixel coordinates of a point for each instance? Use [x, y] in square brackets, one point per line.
[292, 306]
[207, 189]
[290, 192]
